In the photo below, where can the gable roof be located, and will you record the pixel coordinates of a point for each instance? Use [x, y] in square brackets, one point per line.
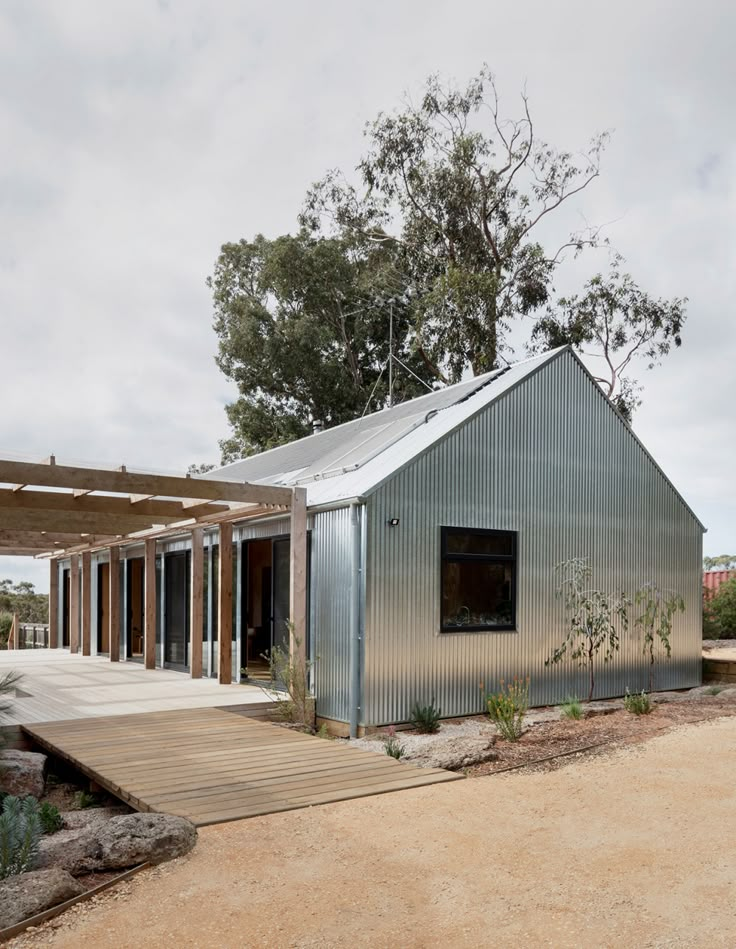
[353, 459]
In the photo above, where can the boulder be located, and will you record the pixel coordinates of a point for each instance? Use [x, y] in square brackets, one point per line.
[21, 773]
[75, 849]
[144, 838]
[26, 894]
[450, 752]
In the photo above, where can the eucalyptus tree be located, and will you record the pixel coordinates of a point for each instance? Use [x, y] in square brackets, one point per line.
[304, 326]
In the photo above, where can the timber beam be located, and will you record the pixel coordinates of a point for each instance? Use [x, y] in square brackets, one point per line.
[129, 482]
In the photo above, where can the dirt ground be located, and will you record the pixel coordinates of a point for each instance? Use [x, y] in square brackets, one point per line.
[633, 847]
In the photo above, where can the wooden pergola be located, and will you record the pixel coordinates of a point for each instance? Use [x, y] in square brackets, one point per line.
[58, 511]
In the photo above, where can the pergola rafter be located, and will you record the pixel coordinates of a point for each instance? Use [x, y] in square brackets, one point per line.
[64, 512]
[97, 507]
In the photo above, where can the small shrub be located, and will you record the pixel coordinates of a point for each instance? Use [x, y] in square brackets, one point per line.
[293, 677]
[85, 800]
[714, 689]
[426, 718]
[508, 706]
[572, 708]
[322, 731]
[638, 703]
[20, 830]
[391, 744]
[51, 819]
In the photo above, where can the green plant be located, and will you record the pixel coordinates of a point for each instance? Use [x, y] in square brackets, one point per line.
[507, 707]
[719, 612]
[592, 619]
[20, 830]
[391, 744]
[638, 703]
[658, 611]
[714, 689]
[426, 718]
[572, 708]
[85, 799]
[292, 676]
[51, 819]
[322, 731]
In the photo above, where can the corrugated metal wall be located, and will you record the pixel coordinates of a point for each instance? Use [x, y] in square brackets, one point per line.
[330, 612]
[551, 461]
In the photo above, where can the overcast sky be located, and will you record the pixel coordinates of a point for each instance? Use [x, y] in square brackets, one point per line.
[137, 137]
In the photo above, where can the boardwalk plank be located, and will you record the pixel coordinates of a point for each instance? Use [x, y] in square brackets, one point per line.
[211, 765]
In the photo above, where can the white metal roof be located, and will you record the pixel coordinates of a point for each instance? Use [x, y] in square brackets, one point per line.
[353, 459]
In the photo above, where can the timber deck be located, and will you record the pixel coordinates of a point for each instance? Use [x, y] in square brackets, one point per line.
[212, 766]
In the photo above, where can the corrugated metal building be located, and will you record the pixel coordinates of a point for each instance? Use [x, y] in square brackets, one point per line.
[435, 529]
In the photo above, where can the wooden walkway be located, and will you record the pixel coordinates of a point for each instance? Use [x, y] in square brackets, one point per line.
[211, 765]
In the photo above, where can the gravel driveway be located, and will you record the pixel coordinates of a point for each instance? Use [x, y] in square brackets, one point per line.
[631, 848]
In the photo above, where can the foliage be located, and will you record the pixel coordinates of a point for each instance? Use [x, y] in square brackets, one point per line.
[638, 703]
[508, 706]
[719, 612]
[616, 320]
[391, 744]
[200, 469]
[8, 684]
[462, 194]
[20, 830]
[655, 622]
[51, 819]
[426, 718]
[84, 800]
[592, 616]
[322, 732]
[293, 677]
[303, 329]
[572, 708]
[714, 689]
[20, 598]
[721, 562]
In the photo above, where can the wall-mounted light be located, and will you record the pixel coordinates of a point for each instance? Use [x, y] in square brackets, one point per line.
[393, 522]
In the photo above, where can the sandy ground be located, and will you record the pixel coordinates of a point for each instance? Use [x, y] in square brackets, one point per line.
[631, 848]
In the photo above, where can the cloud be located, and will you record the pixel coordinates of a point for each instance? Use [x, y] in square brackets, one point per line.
[138, 137]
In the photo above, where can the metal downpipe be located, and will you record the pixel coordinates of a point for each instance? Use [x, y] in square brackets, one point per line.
[355, 594]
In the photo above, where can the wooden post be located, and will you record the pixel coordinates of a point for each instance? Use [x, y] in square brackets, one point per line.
[225, 604]
[298, 579]
[86, 603]
[114, 604]
[149, 623]
[196, 611]
[13, 634]
[74, 604]
[53, 604]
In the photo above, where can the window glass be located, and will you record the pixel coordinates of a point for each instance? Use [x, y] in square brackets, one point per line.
[485, 543]
[478, 580]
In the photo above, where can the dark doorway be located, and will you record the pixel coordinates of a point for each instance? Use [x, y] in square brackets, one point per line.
[134, 599]
[256, 606]
[66, 585]
[103, 608]
[265, 585]
[176, 609]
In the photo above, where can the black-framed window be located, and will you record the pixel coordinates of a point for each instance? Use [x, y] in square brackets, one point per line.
[478, 580]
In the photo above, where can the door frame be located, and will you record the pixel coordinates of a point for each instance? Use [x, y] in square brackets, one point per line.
[177, 666]
[274, 538]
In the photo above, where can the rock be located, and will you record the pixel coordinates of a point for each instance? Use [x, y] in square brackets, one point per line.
[93, 816]
[451, 753]
[26, 894]
[144, 838]
[21, 773]
[76, 849]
